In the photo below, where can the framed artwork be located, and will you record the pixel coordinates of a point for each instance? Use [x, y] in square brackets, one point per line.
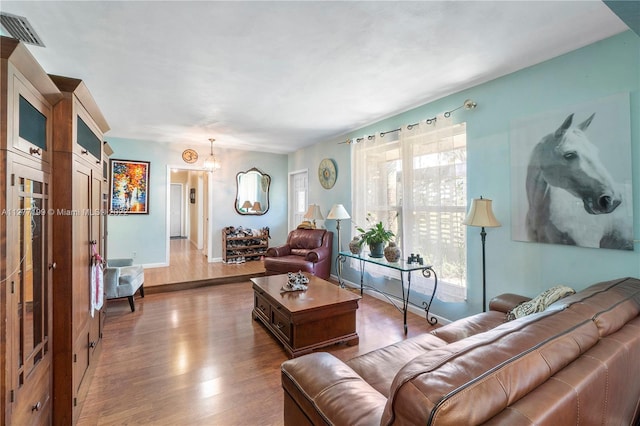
[571, 175]
[129, 189]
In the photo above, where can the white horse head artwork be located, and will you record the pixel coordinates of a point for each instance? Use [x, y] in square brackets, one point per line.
[572, 197]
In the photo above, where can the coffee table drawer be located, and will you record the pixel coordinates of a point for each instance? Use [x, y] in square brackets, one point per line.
[281, 323]
[262, 307]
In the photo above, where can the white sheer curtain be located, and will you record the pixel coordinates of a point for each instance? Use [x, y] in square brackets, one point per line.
[418, 174]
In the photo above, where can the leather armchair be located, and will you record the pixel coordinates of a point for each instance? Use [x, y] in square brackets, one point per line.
[307, 250]
[123, 279]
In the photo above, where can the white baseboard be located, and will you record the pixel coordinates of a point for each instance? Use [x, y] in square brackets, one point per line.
[412, 308]
[153, 265]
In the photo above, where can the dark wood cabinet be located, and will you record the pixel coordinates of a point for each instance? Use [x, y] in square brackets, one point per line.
[26, 256]
[78, 189]
[52, 205]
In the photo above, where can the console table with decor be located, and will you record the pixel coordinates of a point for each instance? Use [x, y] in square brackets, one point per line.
[404, 268]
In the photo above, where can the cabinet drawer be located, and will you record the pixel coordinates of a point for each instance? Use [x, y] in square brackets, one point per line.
[33, 401]
[281, 323]
[263, 308]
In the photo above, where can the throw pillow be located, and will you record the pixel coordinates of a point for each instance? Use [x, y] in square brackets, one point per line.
[540, 302]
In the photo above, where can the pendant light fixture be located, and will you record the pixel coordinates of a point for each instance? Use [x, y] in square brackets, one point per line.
[211, 163]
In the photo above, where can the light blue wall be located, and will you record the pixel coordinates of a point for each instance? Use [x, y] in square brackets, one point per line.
[146, 234]
[609, 67]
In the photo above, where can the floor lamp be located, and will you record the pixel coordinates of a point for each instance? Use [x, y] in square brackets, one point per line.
[481, 214]
[338, 213]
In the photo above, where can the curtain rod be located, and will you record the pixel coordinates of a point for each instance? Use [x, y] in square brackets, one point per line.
[468, 104]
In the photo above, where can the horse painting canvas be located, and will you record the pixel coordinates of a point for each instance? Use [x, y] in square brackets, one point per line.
[571, 196]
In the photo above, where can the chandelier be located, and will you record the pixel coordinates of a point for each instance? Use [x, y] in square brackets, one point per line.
[211, 163]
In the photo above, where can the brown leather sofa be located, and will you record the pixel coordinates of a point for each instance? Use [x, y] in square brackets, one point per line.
[307, 250]
[576, 363]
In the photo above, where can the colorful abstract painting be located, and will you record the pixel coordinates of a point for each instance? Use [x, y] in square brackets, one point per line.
[129, 187]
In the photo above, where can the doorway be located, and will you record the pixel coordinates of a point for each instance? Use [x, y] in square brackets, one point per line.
[298, 197]
[176, 213]
[189, 210]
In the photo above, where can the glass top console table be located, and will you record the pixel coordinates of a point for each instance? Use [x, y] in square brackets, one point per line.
[404, 268]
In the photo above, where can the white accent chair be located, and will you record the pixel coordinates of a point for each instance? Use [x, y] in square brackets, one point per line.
[122, 279]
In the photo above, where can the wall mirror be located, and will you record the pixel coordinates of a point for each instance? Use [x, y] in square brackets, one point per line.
[252, 195]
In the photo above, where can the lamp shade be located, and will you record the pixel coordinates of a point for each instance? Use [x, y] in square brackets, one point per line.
[338, 212]
[313, 212]
[246, 205]
[481, 214]
[257, 206]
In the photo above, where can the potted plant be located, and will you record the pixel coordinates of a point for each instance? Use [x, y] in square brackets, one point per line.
[375, 237]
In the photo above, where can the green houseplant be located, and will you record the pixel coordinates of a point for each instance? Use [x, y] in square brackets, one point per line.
[375, 237]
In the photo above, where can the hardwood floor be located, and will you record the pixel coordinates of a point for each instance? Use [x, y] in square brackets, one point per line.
[196, 357]
[189, 268]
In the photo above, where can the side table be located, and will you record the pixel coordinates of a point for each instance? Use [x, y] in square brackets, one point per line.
[404, 268]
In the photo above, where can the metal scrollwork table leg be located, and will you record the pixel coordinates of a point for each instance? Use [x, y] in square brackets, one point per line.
[427, 274]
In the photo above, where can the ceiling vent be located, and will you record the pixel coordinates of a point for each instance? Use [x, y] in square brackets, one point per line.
[20, 28]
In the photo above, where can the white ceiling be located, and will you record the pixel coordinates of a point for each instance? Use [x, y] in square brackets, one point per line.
[278, 76]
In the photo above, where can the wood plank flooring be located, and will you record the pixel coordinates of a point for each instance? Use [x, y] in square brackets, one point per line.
[189, 268]
[196, 357]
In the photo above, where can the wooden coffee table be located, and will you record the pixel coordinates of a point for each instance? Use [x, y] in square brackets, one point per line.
[302, 321]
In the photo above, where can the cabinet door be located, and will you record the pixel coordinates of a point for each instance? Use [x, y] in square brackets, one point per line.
[30, 291]
[81, 275]
[95, 332]
[87, 136]
[31, 125]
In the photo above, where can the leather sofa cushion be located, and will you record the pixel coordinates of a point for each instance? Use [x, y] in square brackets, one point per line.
[611, 304]
[308, 239]
[320, 383]
[379, 367]
[300, 252]
[596, 398]
[470, 326]
[289, 263]
[492, 369]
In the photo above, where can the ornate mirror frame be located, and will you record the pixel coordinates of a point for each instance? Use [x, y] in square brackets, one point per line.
[252, 192]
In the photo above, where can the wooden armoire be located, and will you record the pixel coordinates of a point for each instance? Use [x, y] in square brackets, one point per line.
[26, 259]
[51, 210]
[78, 181]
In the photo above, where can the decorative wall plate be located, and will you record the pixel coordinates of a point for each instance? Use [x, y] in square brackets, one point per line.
[327, 173]
[189, 156]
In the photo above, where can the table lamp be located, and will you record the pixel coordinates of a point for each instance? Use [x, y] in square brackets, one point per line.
[313, 214]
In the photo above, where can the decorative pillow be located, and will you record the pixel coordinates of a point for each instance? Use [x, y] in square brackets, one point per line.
[540, 302]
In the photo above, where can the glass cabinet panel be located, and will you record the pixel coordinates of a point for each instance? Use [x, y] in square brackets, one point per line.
[33, 124]
[88, 139]
[32, 286]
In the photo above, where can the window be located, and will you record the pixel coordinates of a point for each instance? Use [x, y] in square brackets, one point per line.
[418, 175]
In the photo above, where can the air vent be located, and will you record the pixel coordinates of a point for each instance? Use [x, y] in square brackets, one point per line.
[20, 28]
